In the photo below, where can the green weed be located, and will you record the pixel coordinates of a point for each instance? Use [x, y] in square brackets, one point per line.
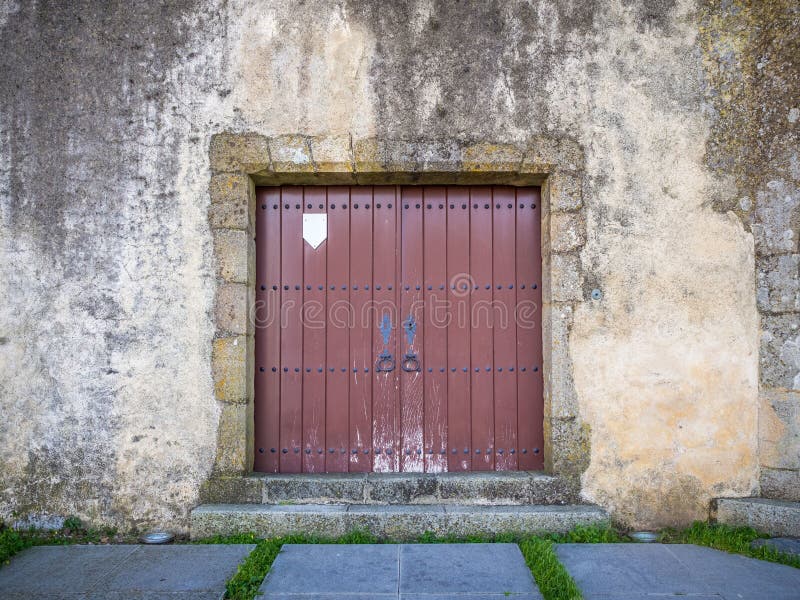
[11, 542]
[588, 534]
[554, 582]
[736, 540]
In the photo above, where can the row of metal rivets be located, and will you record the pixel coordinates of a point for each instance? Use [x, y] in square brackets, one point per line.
[463, 286]
[430, 369]
[405, 206]
[408, 452]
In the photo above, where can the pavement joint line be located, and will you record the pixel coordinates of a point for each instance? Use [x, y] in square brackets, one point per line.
[683, 564]
[113, 569]
[399, 572]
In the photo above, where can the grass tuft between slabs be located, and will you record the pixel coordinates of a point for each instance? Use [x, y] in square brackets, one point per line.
[554, 582]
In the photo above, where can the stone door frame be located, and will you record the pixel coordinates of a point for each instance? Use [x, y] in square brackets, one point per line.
[241, 161]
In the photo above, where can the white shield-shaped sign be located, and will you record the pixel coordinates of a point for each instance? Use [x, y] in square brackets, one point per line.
[315, 228]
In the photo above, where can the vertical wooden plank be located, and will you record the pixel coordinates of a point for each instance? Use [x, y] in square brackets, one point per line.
[398, 263]
[292, 335]
[314, 326]
[482, 322]
[362, 358]
[385, 403]
[435, 343]
[339, 320]
[530, 388]
[458, 331]
[267, 330]
[412, 334]
[505, 330]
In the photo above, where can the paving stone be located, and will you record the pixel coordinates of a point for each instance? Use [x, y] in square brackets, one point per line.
[646, 596]
[632, 571]
[464, 568]
[610, 569]
[785, 545]
[410, 571]
[740, 577]
[54, 570]
[468, 596]
[334, 569]
[325, 596]
[178, 568]
[117, 572]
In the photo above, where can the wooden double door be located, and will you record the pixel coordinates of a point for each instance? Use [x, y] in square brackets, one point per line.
[398, 328]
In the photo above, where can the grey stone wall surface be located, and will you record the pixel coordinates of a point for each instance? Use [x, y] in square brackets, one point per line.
[687, 116]
[754, 53]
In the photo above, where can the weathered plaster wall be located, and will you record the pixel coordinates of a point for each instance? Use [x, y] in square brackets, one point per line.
[106, 115]
[752, 57]
[104, 258]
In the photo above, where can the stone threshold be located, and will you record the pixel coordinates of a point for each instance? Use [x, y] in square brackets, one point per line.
[775, 517]
[473, 488]
[396, 522]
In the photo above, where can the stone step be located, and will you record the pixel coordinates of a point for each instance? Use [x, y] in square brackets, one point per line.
[501, 488]
[396, 521]
[775, 517]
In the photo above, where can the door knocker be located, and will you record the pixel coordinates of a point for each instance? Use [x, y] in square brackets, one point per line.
[410, 362]
[385, 362]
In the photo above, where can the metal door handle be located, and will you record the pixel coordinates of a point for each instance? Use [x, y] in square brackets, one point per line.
[385, 363]
[412, 360]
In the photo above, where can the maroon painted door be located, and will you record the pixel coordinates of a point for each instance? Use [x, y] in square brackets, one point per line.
[398, 329]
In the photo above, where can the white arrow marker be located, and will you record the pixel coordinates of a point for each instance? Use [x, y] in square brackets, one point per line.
[315, 228]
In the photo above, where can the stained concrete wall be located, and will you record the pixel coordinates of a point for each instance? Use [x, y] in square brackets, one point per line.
[106, 115]
[754, 53]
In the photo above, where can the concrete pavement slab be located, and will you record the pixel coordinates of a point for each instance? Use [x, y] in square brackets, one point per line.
[627, 569]
[116, 572]
[334, 569]
[637, 571]
[178, 568]
[464, 568]
[50, 571]
[739, 577]
[408, 571]
[468, 596]
[781, 544]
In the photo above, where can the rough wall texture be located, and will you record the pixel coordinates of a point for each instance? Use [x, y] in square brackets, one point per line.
[106, 114]
[104, 258]
[752, 58]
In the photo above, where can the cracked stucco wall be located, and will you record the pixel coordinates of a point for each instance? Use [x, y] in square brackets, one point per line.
[106, 114]
[752, 57]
